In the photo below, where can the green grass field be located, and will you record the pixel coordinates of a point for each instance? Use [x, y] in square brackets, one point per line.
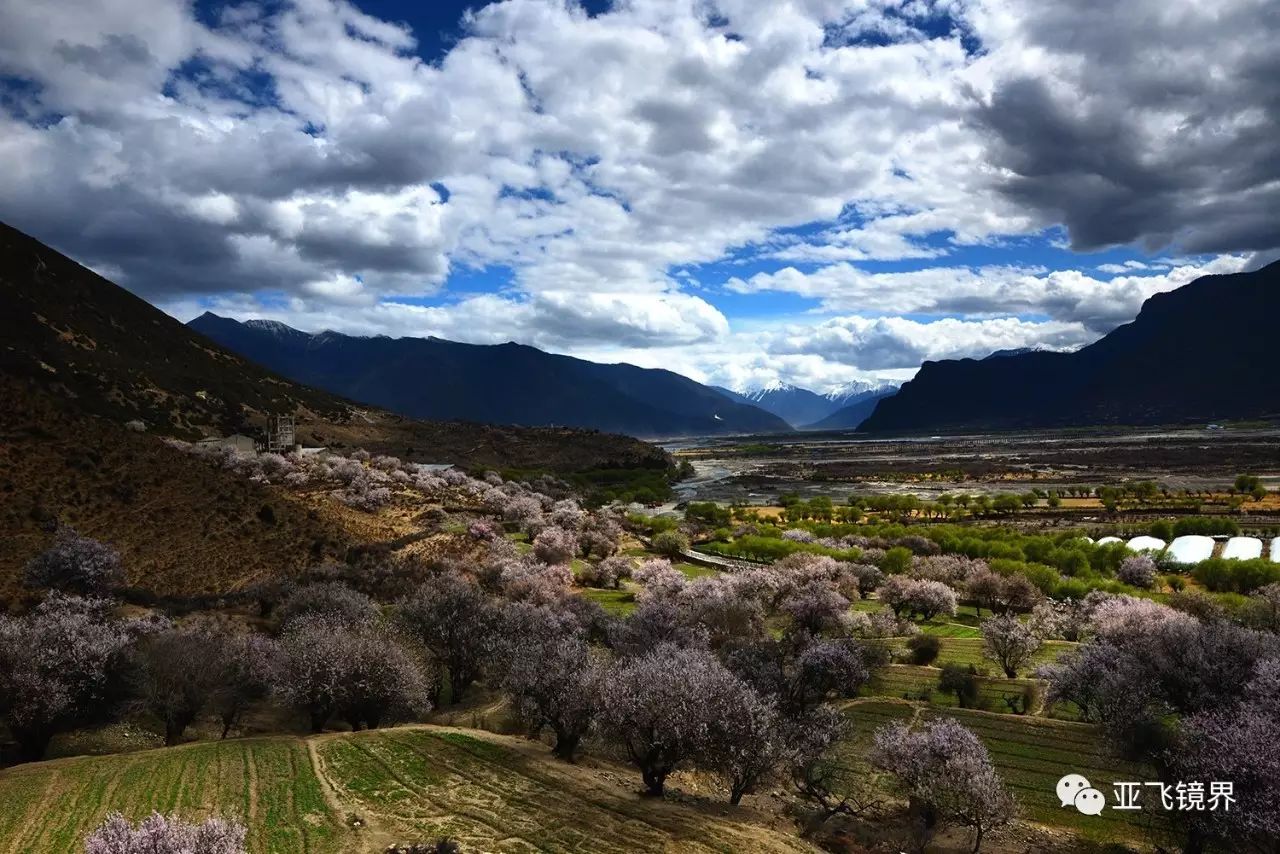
[359, 792]
[622, 602]
[269, 784]
[908, 681]
[968, 650]
[617, 602]
[692, 571]
[1031, 754]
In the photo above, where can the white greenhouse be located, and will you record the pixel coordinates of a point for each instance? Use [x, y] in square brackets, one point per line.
[1191, 548]
[1242, 548]
[1146, 544]
[1275, 550]
[1106, 541]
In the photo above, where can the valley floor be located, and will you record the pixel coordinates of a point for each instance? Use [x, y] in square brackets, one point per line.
[751, 469]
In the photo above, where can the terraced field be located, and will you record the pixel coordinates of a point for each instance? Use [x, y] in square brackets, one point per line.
[268, 783]
[498, 794]
[967, 650]
[1031, 754]
[359, 792]
[907, 681]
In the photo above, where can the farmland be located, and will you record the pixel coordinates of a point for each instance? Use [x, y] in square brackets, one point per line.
[1031, 754]
[359, 792]
[270, 783]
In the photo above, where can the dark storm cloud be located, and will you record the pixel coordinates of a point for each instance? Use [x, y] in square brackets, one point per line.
[1158, 124]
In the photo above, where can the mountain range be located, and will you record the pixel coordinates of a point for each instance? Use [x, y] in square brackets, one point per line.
[431, 378]
[843, 408]
[856, 409]
[70, 335]
[1203, 352]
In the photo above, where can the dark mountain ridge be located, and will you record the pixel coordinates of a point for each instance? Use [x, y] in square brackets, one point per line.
[1203, 352]
[858, 409]
[503, 384]
[68, 333]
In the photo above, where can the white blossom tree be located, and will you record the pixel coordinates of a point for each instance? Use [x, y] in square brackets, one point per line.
[947, 776]
[161, 834]
[61, 665]
[664, 707]
[550, 673]
[76, 564]
[453, 619]
[1009, 642]
[555, 546]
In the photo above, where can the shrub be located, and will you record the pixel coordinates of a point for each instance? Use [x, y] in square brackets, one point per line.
[924, 648]
[962, 681]
[1236, 576]
[1139, 571]
[896, 560]
[670, 543]
[1206, 525]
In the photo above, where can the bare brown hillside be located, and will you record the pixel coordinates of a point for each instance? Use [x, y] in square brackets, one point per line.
[72, 334]
[80, 358]
[181, 525]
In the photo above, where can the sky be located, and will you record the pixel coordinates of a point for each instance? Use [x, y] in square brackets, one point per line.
[802, 191]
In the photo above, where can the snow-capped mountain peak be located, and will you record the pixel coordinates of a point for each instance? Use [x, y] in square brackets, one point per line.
[760, 392]
[857, 388]
[276, 328]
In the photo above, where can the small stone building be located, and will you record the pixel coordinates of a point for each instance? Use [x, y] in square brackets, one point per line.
[236, 441]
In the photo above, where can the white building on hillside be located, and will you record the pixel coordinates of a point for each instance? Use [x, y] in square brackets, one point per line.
[236, 441]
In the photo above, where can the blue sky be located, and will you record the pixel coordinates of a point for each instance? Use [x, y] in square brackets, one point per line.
[805, 191]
